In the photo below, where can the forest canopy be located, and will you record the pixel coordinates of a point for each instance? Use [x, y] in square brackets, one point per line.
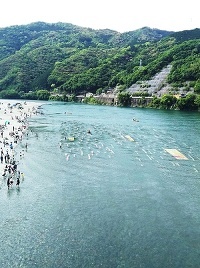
[67, 59]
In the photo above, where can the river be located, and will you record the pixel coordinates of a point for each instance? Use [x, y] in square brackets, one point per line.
[103, 200]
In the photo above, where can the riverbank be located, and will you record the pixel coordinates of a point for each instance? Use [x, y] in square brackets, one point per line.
[14, 117]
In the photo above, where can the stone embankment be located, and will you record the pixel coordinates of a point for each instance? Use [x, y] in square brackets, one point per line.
[157, 86]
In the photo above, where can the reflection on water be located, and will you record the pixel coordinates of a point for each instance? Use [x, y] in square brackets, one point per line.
[18, 189]
[102, 200]
[12, 191]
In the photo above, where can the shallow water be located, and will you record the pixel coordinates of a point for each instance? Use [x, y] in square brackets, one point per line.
[102, 200]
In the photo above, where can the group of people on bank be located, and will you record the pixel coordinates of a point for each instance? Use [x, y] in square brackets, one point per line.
[13, 127]
[10, 180]
[12, 174]
[12, 133]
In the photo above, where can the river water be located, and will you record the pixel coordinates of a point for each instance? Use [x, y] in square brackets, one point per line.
[103, 200]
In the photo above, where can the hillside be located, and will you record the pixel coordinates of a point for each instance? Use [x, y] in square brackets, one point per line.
[69, 59]
[156, 86]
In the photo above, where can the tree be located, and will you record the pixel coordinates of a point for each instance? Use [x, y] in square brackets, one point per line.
[197, 101]
[42, 94]
[155, 103]
[9, 94]
[197, 86]
[167, 101]
[187, 103]
[124, 98]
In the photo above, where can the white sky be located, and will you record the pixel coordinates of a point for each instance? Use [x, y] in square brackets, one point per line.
[119, 15]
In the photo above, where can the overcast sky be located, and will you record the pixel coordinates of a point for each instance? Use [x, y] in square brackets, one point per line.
[119, 15]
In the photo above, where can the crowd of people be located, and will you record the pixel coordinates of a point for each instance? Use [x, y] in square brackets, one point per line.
[13, 129]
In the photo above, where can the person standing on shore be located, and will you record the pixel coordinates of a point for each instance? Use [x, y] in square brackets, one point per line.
[22, 176]
[2, 156]
[18, 181]
[11, 146]
[8, 183]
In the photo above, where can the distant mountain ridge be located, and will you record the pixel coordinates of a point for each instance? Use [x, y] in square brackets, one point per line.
[17, 36]
[73, 59]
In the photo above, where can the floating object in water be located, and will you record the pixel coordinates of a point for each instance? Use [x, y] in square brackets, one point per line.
[71, 138]
[67, 156]
[129, 138]
[176, 154]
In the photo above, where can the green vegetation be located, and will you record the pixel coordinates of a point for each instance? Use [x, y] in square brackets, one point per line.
[124, 99]
[189, 102]
[60, 61]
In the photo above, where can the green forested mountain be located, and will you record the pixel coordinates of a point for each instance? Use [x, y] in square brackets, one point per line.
[73, 59]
